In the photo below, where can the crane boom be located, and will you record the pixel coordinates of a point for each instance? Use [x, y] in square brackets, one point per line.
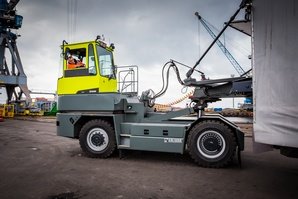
[230, 57]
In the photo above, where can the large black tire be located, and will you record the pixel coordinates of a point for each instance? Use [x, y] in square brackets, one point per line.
[212, 144]
[97, 139]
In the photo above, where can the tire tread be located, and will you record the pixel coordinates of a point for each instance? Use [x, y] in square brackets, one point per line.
[110, 131]
[211, 124]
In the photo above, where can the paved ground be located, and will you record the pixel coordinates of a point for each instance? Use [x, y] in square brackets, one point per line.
[35, 163]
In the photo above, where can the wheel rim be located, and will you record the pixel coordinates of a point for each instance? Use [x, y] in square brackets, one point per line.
[211, 144]
[97, 139]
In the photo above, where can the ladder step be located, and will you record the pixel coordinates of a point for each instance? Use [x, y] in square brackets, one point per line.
[125, 135]
[122, 146]
[124, 141]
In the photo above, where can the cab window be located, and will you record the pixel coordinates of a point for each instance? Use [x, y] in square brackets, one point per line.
[75, 62]
[76, 59]
[105, 60]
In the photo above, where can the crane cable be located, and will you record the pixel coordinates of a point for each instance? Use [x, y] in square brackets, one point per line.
[191, 92]
[165, 77]
[234, 43]
[72, 9]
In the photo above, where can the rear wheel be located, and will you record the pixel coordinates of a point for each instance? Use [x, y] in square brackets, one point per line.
[211, 143]
[97, 139]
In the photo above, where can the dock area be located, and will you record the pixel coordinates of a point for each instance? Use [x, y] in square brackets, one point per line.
[35, 163]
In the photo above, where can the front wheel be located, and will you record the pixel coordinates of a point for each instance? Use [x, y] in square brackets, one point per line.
[97, 139]
[211, 143]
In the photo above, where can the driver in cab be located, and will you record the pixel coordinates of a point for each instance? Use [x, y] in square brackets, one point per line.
[73, 63]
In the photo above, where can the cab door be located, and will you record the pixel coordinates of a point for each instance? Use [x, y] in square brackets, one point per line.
[107, 71]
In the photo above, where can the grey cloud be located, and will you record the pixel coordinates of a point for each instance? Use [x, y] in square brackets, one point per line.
[146, 32]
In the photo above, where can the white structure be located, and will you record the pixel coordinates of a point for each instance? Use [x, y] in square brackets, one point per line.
[275, 72]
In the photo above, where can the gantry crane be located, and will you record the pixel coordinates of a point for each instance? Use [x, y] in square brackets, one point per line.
[230, 57]
[12, 74]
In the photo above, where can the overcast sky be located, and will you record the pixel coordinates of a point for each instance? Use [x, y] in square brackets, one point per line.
[146, 33]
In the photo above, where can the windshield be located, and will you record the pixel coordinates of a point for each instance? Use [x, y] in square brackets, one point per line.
[105, 59]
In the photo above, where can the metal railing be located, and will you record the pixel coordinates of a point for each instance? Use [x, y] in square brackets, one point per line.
[128, 79]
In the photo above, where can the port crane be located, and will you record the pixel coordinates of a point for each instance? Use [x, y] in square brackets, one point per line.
[227, 53]
[12, 74]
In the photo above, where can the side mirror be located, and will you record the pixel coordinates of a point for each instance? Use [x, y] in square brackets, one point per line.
[113, 76]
